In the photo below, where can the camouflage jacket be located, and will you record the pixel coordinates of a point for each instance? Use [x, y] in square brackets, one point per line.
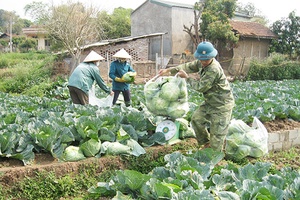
[212, 84]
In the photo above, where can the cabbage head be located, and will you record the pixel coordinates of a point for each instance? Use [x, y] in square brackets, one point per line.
[91, 147]
[72, 153]
[242, 151]
[151, 89]
[170, 91]
[114, 148]
[257, 152]
[186, 131]
[177, 109]
[129, 77]
[158, 105]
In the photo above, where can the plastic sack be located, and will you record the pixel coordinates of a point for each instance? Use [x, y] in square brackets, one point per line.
[103, 102]
[243, 140]
[167, 96]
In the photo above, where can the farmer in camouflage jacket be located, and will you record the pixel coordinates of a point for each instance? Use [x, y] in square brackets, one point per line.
[211, 120]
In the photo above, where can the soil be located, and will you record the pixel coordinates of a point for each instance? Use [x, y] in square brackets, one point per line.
[279, 125]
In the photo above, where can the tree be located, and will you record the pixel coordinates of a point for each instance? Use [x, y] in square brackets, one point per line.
[288, 31]
[38, 11]
[120, 20]
[252, 11]
[193, 30]
[115, 25]
[73, 25]
[28, 44]
[7, 17]
[214, 24]
[103, 25]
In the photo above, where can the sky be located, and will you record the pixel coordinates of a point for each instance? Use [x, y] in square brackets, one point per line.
[273, 10]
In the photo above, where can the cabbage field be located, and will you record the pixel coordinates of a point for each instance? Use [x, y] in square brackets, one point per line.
[73, 132]
[33, 124]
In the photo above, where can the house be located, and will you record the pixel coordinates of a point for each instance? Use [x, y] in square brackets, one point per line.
[6, 37]
[254, 41]
[40, 35]
[163, 16]
[137, 47]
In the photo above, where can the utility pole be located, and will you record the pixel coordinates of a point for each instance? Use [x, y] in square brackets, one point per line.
[10, 34]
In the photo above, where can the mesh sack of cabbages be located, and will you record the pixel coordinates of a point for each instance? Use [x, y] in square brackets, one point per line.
[167, 96]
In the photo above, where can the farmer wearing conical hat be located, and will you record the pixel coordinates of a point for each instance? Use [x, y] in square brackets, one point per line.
[118, 69]
[83, 77]
[211, 120]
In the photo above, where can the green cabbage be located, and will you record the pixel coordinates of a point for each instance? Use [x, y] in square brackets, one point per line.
[243, 140]
[170, 91]
[158, 104]
[91, 147]
[186, 131]
[167, 96]
[177, 109]
[129, 77]
[114, 148]
[151, 89]
[242, 151]
[73, 153]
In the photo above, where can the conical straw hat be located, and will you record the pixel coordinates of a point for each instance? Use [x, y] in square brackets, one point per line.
[93, 56]
[122, 54]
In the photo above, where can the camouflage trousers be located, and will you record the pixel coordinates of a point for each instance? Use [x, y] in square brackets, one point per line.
[211, 126]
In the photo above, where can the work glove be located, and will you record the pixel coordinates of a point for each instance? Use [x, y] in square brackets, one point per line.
[120, 80]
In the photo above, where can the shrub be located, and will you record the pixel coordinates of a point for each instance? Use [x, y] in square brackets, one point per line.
[276, 67]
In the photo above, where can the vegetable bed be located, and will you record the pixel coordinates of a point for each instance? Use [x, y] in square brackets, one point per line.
[32, 125]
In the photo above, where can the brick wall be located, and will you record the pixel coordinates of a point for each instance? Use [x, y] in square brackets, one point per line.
[138, 49]
[283, 140]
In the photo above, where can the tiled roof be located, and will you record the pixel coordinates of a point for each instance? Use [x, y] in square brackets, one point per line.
[251, 29]
[34, 31]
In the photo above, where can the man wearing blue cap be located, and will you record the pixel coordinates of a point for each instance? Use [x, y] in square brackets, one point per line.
[211, 120]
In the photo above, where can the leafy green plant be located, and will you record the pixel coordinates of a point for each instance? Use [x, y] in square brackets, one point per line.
[146, 162]
[27, 73]
[276, 67]
[191, 176]
[46, 185]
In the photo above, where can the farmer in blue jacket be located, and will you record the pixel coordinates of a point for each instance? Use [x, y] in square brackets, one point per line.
[118, 68]
[83, 77]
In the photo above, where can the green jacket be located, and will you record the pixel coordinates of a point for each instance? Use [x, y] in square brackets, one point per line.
[212, 84]
[84, 76]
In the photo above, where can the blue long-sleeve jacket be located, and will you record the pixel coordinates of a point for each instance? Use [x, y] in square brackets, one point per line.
[118, 69]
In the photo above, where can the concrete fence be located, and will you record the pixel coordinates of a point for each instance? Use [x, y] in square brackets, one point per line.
[283, 140]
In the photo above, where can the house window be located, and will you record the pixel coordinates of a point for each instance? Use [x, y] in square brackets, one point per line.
[47, 43]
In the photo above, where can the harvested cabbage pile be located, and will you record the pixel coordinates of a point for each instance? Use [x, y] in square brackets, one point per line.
[243, 140]
[167, 96]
